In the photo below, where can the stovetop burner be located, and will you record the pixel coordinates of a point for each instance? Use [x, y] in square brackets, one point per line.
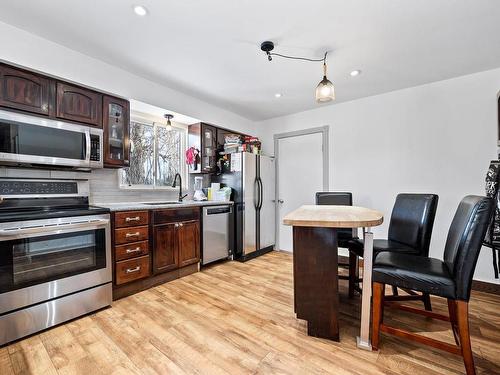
[26, 214]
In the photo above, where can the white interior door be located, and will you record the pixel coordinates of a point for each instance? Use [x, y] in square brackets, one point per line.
[300, 176]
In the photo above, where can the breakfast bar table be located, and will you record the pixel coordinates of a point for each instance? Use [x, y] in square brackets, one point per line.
[315, 266]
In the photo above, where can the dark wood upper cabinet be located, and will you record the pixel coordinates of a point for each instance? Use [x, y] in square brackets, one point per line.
[25, 91]
[165, 244]
[209, 140]
[78, 104]
[116, 118]
[189, 242]
[204, 137]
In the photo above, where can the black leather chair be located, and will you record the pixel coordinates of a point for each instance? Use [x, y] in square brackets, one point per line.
[451, 278]
[344, 235]
[410, 230]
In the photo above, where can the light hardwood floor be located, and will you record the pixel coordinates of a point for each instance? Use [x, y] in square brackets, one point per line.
[237, 318]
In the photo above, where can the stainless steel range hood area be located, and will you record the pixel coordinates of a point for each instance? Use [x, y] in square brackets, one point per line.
[27, 140]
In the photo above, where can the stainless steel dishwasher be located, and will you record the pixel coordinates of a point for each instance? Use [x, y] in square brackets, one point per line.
[217, 221]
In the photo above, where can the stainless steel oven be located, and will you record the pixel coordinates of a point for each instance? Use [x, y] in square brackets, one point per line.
[31, 140]
[55, 259]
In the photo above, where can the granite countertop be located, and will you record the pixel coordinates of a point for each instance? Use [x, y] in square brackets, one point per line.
[130, 206]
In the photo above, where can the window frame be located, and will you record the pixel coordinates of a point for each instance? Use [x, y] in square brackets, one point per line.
[183, 130]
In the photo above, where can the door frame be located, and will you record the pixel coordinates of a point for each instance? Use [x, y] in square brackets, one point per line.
[325, 137]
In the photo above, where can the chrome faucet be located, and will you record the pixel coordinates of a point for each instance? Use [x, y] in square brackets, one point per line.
[181, 197]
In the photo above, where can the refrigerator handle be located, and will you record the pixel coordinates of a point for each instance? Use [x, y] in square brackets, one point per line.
[256, 193]
[261, 193]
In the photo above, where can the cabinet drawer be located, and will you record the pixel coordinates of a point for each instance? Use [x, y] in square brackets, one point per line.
[132, 234]
[131, 250]
[175, 215]
[131, 218]
[132, 269]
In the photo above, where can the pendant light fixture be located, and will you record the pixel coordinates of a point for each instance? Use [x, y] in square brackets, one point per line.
[325, 91]
[168, 116]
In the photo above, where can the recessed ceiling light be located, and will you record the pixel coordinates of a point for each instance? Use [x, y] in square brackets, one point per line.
[355, 73]
[140, 10]
[278, 95]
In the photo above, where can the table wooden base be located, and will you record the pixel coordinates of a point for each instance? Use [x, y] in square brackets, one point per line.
[315, 280]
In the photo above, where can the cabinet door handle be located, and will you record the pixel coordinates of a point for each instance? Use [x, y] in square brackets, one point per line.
[128, 219]
[137, 249]
[176, 225]
[181, 225]
[132, 234]
[131, 270]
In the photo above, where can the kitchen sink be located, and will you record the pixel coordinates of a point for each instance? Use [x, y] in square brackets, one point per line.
[160, 203]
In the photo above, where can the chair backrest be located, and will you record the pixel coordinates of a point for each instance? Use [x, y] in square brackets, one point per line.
[464, 240]
[336, 198]
[412, 220]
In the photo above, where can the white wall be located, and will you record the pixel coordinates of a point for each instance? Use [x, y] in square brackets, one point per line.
[25, 49]
[436, 138]
[433, 138]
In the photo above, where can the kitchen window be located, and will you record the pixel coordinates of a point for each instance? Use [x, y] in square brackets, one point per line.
[155, 156]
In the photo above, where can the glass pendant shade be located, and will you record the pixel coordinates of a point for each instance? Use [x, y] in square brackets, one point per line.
[169, 124]
[325, 91]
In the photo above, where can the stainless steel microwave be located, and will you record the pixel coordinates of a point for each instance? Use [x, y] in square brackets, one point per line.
[31, 140]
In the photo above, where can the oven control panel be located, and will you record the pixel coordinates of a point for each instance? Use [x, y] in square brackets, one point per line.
[27, 187]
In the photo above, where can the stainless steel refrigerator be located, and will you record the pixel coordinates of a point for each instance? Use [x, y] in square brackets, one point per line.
[252, 179]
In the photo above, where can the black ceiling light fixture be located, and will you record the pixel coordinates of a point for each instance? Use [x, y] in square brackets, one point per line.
[325, 91]
[169, 117]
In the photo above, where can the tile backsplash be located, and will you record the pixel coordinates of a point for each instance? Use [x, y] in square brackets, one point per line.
[103, 185]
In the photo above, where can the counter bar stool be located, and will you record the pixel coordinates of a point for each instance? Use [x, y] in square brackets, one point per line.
[344, 235]
[451, 278]
[410, 230]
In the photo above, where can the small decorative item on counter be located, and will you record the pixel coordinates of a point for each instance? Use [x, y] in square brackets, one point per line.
[216, 193]
[223, 194]
[198, 190]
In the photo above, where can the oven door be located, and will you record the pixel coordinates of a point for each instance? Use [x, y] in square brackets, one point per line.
[27, 139]
[45, 259]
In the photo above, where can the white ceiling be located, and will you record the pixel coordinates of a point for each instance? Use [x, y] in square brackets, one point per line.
[210, 49]
[158, 113]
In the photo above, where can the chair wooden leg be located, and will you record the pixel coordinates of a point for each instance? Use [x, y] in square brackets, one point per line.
[462, 314]
[395, 290]
[452, 309]
[427, 301]
[353, 273]
[378, 313]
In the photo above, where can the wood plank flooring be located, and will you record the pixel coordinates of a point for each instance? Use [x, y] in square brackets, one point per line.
[237, 318]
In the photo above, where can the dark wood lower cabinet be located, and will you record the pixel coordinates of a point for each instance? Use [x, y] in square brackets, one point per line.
[176, 245]
[148, 255]
[189, 242]
[165, 248]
